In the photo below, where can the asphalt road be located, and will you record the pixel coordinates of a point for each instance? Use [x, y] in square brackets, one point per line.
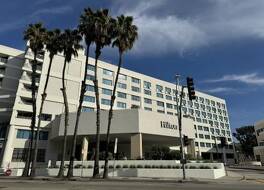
[125, 185]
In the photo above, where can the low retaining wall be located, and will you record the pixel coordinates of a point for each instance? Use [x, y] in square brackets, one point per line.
[142, 172]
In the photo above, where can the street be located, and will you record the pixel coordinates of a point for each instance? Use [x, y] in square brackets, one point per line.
[253, 180]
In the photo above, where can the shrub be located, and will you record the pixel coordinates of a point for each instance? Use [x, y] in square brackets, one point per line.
[147, 166]
[139, 166]
[153, 166]
[176, 167]
[192, 167]
[132, 166]
[56, 166]
[125, 166]
[118, 166]
[205, 167]
[102, 166]
[89, 166]
[215, 167]
[169, 166]
[111, 166]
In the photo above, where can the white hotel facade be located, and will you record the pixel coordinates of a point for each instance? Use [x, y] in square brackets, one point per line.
[205, 119]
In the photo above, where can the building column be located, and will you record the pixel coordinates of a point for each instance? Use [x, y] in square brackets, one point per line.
[85, 144]
[136, 146]
[191, 148]
[8, 150]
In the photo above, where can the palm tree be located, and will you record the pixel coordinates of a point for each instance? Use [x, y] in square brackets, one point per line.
[35, 34]
[103, 36]
[52, 43]
[86, 28]
[70, 44]
[126, 35]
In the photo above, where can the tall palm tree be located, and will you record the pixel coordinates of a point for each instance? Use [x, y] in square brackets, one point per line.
[103, 30]
[70, 44]
[86, 28]
[126, 35]
[52, 43]
[35, 34]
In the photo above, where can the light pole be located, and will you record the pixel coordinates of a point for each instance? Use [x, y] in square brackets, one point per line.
[179, 115]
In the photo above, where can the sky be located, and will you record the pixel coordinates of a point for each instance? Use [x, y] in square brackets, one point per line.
[219, 43]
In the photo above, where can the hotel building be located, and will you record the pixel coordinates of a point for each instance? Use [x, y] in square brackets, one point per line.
[145, 110]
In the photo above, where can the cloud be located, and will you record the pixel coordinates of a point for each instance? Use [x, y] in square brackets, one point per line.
[219, 89]
[55, 10]
[186, 25]
[251, 78]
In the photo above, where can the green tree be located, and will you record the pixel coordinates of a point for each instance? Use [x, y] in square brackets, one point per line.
[103, 31]
[125, 34]
[247, 139]
[35, 34]
[52, 43]
[86, 28]
[70, 43]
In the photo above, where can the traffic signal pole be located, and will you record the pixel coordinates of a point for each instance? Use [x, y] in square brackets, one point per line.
[181, 139]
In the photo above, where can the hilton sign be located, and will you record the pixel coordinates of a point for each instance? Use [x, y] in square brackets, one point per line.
[167, 125]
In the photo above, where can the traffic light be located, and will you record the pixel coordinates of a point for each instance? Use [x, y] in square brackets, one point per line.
[223, 141]
[190, 86]
[185, 140]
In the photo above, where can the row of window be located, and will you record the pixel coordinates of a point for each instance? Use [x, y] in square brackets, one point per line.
[212, 130]
[20, 155]
[26, 134]
[212, 145]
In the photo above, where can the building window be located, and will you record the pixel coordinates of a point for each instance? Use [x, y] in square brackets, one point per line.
[202, 144]
[91, 67]
[90, 77]
[3, 59]
[87, 109]
[160, 111]
[169, 113]
[148, 109]
[23, 134]
[170, 106]
[159, 89]
[121, 105]
[168, 97]
[24, 115]
[107, 82]
[105, 101]
[122, 77]
[43, 135]
[89, 99]
[147, 92]
[135, 98]
[207, 136]
[200, 128]
[206, 129]
[147, 101]
[121, 95]
[107, 72]
[135, 80]
[159, 95]
[147, 85]
[135, 89]
[89, 88]
[208, 145]
[167, 90]
[121, 85]
[201, 136]
[196, 144]
[19, 154]
[46, 117]
[106, 91]
[161, 104]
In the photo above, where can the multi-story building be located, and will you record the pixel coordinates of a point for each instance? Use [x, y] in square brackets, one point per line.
[259, 150]
[208, 113]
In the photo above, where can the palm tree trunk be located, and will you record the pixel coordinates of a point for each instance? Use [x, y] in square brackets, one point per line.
[66, 122]
[33, 119]
[110, 116]
[97, 149]
[43, 97]
[83, 89]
